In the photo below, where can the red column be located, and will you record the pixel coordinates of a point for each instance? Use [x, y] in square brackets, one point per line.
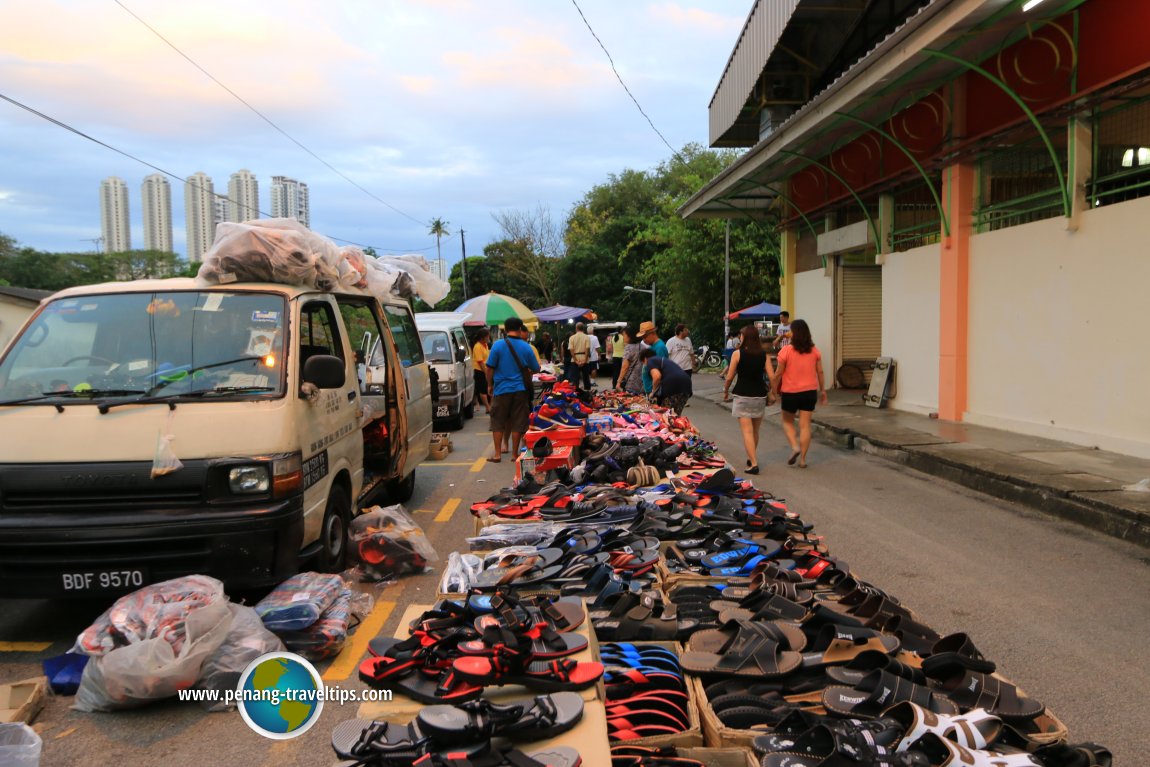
[954, 291]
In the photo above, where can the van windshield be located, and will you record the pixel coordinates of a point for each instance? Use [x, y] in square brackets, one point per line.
[133, 345]
[436, 346]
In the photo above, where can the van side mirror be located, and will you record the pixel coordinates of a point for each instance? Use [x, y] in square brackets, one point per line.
[326, 371]
[460, 354]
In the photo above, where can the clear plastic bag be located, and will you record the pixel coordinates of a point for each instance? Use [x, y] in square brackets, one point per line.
[460, 571]
[165, 461]
[389, 543]
[325, 637]
[246, 640]
[277, 250]
[19, 745]
[165, 654]
[156, 611]
[514, 534]
[299, 601]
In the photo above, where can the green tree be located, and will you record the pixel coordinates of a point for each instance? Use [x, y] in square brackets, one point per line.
[628, 231]
[438, 227]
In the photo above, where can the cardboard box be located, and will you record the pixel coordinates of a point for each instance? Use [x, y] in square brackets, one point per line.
[693, 735]
[22, 701]
[400, 705]
[589, 737]
[571, 436]
[721, 757]
[563, 455]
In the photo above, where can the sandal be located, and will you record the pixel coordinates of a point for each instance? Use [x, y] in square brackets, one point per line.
[745, 649]
[544, 717]
[878, 691]
[562, 675]
[971, 689]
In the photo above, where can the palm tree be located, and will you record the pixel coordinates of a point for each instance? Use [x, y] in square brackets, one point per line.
[439, 229]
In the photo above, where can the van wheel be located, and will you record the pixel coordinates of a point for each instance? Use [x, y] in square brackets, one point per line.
[469, 409]
[333, 533]
[456, 423]
[401, 490]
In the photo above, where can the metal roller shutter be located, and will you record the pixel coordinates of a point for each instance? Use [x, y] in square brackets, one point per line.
[860, 321]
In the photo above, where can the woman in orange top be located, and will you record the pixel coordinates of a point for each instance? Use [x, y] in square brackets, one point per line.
[479, 354]
[799, 379]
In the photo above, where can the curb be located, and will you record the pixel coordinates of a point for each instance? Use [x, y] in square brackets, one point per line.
[1087, 511]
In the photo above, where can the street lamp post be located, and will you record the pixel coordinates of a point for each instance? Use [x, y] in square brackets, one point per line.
[645, 290]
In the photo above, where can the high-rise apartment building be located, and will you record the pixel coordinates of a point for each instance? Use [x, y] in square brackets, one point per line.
[222, 205]
[114, 222]
[290, 200]
[440, 268]
[156, 194]
[243, 197]
[199, 214]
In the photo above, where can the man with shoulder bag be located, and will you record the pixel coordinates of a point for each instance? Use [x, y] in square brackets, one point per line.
[509, 368]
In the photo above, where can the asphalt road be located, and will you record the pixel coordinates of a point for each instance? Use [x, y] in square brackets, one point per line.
[1063, 611]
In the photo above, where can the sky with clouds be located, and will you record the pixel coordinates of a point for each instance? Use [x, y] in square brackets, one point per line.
[441, 108]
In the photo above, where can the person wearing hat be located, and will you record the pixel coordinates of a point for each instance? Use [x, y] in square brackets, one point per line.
[511, 404]
[651, 340]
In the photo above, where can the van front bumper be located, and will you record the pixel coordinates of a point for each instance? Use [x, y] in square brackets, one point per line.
[45, 554]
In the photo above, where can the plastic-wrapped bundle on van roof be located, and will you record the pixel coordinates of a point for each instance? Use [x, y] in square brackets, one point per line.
[284, 251]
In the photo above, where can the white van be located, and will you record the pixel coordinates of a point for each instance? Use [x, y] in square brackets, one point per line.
[158, 428]
[445, 347]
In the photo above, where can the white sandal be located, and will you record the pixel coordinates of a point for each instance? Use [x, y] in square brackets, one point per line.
[975, 729]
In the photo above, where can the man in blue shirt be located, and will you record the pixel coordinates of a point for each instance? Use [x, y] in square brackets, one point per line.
[511, 405]
[650, 338]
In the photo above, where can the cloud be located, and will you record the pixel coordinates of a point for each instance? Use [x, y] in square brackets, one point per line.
[419, 84]
[524, 59]
[697, 18]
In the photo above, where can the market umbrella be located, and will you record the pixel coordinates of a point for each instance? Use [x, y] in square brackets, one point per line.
[756, 312]
[560, 313]
[494, 309]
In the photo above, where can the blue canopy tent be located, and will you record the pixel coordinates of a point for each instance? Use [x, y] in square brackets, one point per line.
[757, 312]
[559, 313]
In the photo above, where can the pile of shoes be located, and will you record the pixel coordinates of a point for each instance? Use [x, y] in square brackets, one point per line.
[760, 633]
[473, 732]
[455, 650]
[646, 691]
[563, 405]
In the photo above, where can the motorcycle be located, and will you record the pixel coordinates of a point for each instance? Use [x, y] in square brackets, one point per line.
[708, 357]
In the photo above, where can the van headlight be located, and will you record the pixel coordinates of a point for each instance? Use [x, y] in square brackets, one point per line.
[447, 387]
[246, 480]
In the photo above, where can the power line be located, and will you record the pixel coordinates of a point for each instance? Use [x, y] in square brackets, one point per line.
[264, 117]
[169, 174]
[620, 78]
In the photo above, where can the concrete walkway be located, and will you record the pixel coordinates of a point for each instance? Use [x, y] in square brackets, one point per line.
[1076, 483]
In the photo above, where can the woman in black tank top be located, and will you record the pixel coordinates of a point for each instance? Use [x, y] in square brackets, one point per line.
[752, 373]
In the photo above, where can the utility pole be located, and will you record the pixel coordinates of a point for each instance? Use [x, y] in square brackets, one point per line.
[652, 303]
[463, 263]
[727, 283]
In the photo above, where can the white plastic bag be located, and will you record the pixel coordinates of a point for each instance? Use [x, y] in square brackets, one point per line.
[19, 745]
[151, 669]
[246, 640]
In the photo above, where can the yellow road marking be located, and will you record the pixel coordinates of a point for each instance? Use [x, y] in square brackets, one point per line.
[425, 511]
[348, 659]
[24, 646]
[448, 509]
[478, 465]
[446, 463]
